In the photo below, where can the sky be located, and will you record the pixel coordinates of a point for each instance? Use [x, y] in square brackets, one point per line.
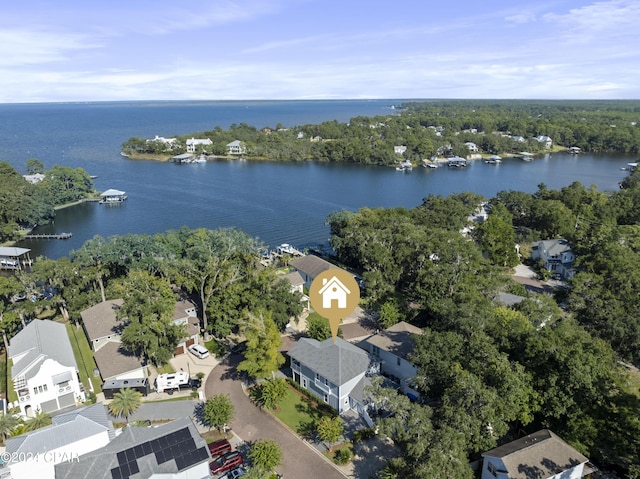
[120, 50]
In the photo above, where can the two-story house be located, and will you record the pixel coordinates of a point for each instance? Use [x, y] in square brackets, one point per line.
[391, 348]
[193, 143]
[103, 330]
[185, 314]
[556, 256]
[236, 148]
[44, 371]
[333, 372]
[542, 455]
[310, 266]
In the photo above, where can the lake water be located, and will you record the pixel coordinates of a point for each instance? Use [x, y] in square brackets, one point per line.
[276, 202]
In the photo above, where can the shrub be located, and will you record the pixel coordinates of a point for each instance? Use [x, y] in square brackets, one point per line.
[363, 434]
[342, 456]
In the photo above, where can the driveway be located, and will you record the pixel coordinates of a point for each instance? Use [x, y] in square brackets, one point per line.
[250, 423]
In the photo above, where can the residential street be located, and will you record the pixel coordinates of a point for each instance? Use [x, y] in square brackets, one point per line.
[250, 423]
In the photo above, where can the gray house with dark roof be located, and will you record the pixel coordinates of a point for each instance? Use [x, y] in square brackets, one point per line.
[556, 256]
[541, 455]
[44, 371]
[69, 436]
[334, 372]
[174, 450]
[310, 266]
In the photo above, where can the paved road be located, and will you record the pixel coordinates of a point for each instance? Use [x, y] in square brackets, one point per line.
[250, 423]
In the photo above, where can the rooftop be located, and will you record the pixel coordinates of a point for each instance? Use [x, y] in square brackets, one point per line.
[100, 320]
[311, 265]
[396, 339]
[113, 360]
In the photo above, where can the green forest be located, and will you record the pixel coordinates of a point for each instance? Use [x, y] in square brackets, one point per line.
[427, 129]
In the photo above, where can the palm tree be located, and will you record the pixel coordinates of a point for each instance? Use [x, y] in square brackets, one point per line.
[125, 403]
[41, 419]
[8, 423]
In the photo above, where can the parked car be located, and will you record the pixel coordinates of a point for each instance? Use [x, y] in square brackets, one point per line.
[218, 448]
[235, 473]
[226, 462]
[193, 383]
[199, 351]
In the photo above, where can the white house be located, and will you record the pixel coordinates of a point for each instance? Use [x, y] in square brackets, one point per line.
[519, 139]
[174, 450]
[542, 455]
[548, 142]
[334, 290]
[103, 330]
[35, 453]
[35, 178]
[44, 371]
[236, 148]
[185, 314]
[333, 372]
[399, 149]
[472, 147]
[193, 143]
[556, 256]
[392, 348]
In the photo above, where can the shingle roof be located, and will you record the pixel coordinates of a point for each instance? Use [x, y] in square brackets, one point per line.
[66, 429]
[138, 441]
[509, 299]
[339, 362]
[541, 454]
[112, 360]
[396, 339]
[311, 265]
[294, 278]
[100, 320]
[41, 339]
[554, 247]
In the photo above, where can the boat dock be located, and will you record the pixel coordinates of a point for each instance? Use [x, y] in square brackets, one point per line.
[60, 236]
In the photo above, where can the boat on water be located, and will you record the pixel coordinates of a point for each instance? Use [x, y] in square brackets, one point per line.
[574, 150]
[526, 156]
[200, 159]
[493, 160]
[405, 166]
[457, 162]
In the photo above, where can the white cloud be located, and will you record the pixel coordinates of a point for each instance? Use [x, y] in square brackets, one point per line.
[34, 47]
[521, 18]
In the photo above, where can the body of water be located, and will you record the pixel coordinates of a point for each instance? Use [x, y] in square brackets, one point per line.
[276, 202]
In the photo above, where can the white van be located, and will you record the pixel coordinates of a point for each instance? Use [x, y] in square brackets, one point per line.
[199, 351]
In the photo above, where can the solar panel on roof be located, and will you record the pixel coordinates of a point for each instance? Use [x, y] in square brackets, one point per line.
[146, 448]
[131, 455]
[133, 468]
[124, 470]
[138, 451]
[115, 473]
[122, 457]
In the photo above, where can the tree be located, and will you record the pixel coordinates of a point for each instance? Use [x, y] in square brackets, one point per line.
[265, 454]
[319, 328]
[271, 392]
[217, 411]
[329, 428]
[389, 314]
[8, 422]
[497, 237]
[262, 357]
[34, 165]
[40, 420]
[125, 403]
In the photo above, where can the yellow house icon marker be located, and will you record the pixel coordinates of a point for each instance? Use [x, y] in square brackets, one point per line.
[334, 294]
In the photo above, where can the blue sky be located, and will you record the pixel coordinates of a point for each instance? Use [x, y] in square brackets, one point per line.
[318, 49]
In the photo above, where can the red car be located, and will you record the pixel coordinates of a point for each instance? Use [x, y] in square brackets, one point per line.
[219, 448]
[226, 462]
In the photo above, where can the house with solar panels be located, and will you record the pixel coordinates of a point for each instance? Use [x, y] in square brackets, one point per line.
[35, 453]
[174, 450]
[44, 371]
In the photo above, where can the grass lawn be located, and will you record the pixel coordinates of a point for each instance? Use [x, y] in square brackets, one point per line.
[12, 395]
[84, 358]
[165, 369]
[297, 412]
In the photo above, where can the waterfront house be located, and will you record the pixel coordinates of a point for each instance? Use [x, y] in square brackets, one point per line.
[103, 330]
[193, 143]
[44, 371]
[519, 139]
[35, 453]
[35, 178]
[542, 455]
[545, 140]
[556, 256]
[12, 257]
[309, 267]
[174, 450]
[472, 147]
[333, 372]
[392, 348]
[399, 149]
[236, 148]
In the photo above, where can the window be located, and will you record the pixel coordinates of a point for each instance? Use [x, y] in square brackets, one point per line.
[35, 390]
[44, 387]
[399, 361]
[304, 383]
[39, 389]
[326, 397]
[376, 351]
[326, 382]
[492, 469]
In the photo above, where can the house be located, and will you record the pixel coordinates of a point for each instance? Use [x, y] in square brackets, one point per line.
[333, 372]
[44, 371]
[309, 267]
[35, 453]
[174, 450]
[168, 142]
[103, 330]
[295, 280]
[334, 290]
[399, 149]
[519, 139]
[541, 455]
[392, 348]
[548, 142]
[236, 148]
[472, 147]
[193, 143]
[556, 256]
[12, 257]
[185, 314]
[508, 299]
[35, 178]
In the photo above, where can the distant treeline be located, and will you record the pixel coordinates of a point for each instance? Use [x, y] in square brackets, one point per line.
[428, 129]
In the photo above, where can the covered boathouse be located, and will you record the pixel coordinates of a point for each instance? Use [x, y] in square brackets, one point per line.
[12, 257]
